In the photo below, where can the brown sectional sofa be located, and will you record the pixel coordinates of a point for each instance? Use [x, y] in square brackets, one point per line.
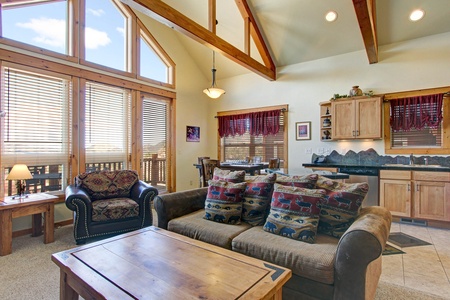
[331, 268]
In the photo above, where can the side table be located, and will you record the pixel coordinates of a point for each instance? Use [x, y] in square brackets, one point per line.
[32, 204]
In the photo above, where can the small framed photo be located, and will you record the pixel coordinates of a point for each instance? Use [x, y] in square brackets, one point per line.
[192, 134]
[302, 131]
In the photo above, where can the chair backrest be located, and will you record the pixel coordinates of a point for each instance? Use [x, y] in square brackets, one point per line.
[107, 184]
[200, 158]
[274, 163]
[208, 166]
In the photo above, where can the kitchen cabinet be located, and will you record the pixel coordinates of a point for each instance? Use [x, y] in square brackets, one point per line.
[417, 194]
[326, 121]
[356, 118]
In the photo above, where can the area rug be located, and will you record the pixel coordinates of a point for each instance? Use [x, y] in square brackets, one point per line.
[403, 240]
[389, 250]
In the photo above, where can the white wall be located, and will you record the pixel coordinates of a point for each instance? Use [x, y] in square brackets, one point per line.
[411, 65]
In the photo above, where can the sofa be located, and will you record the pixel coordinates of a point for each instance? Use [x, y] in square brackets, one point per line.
[348, 267]
[106, 203]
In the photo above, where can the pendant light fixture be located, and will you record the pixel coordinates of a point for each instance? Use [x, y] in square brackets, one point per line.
[213, 92]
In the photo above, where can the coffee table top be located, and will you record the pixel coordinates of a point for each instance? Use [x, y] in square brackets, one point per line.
[153, 263]
[16, 201]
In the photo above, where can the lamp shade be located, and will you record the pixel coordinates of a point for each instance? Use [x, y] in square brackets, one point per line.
[19, 172]
[213, 92]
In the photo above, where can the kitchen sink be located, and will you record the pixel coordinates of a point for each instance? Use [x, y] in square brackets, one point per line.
[413, 166]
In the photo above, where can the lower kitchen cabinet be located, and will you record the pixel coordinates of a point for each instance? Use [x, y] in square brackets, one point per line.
[417, 194]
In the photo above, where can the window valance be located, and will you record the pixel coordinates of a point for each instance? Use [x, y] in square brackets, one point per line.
[416, 112]
[256, 123]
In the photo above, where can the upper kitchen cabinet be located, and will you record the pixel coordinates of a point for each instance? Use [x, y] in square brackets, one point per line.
[356, 118]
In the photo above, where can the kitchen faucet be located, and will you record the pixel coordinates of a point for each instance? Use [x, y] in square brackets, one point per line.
[411, 159]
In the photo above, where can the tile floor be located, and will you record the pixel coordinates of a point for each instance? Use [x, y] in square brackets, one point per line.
[425, 268]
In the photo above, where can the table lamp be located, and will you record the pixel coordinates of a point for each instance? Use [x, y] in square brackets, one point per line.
[19, 172]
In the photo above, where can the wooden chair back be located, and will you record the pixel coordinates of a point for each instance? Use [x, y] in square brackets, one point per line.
[208, 166]
[274, 163]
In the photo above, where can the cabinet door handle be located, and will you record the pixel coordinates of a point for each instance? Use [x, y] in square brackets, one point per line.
[417, 187]
[409, 187]
[357, 132]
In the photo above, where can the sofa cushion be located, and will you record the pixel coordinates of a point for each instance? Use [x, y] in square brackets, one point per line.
[303, 181]
[257, 196]
[313, 261]
[107, 184]
[294, 212]
[224, 201]
[114, 208]
[228, 175]
[340, 206]
[193, 225]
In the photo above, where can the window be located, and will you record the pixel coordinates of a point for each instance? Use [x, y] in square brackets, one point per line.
[416, 123]
[42, 24]
[239, 147]
[105, 34]
[155, 141]
[151, 66]
[108, 127]
[36, 127]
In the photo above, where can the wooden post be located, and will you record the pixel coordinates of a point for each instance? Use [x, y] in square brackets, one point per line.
[154, 170]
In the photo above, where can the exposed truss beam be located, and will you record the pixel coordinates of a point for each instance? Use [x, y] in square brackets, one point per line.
[252, 26]
[365, 13]
[165, 14]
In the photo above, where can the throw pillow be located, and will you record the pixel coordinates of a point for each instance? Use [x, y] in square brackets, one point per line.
[340, 206]
[228, 175]
[303, 181]
[294, 212]
[257, 196]
[224, 201]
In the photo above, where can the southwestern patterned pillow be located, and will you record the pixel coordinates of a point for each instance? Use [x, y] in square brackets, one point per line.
[294, 212]
[257, 196]
[107, 184]
[303, 181]
[340, 206]
[228, 175]
[224, 201]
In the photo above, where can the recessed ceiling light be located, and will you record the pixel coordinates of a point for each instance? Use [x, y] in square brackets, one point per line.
[416, 15]
[331, 16]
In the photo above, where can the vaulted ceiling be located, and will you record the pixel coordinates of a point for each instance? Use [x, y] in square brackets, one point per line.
[295, 31]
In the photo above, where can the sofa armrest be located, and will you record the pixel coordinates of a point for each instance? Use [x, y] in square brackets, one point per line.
[361, 244]
[174, 205]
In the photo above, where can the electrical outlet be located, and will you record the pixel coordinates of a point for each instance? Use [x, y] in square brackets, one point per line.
[327, 151]
[308, 150]
[320, 150]
[191, 183]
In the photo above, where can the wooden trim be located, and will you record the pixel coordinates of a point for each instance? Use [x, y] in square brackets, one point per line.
[256, 109]
[212, 19]
[77, 133]
[82, 125]
[414, 93]
[365, 13]
[165, 14]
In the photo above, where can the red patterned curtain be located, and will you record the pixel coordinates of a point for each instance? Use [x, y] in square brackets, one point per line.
[416, 112]
[256, 123]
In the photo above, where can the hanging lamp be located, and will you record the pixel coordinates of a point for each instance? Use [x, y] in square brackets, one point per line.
[213, 91]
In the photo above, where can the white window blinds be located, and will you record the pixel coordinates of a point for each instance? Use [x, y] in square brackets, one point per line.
[108, 127]
[35, 129]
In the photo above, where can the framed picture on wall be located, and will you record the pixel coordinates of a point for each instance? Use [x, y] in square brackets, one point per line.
[302, 131]
[192, 134]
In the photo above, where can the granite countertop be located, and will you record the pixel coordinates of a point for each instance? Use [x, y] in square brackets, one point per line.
[416, 167]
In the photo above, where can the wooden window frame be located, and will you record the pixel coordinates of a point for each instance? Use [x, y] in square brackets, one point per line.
[445, 147]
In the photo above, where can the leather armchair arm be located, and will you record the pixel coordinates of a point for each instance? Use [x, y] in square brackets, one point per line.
[360, 245]
[143, 194]
[73, 192]
[174, 205]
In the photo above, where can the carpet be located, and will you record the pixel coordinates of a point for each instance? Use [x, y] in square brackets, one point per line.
[389, 250]
[403, 240]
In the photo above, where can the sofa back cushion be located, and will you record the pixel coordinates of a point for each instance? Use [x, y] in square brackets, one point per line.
[340, 206]
[224, 201]
[303, 181]
[294, 212]
[257, 196]
[107, 184]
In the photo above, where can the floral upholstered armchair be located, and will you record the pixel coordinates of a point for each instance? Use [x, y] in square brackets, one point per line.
[109, 202]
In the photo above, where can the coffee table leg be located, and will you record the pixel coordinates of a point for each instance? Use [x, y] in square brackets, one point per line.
[36, 224]
[66, 292]
[5, 232]
[49, 235]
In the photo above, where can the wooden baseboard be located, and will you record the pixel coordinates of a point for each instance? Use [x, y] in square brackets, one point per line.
[28, 230]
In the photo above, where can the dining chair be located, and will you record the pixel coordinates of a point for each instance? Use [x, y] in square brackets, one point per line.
[200, 170]
[274, 163]
[208, 166]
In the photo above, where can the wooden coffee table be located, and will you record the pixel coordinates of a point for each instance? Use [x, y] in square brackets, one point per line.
[33, 204]
[153, 263]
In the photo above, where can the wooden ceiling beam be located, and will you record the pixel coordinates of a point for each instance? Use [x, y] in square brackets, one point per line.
[256, 34]
[365, 13]
[165, 14]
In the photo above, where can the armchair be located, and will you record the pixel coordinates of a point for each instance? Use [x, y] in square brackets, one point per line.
[109, 202]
